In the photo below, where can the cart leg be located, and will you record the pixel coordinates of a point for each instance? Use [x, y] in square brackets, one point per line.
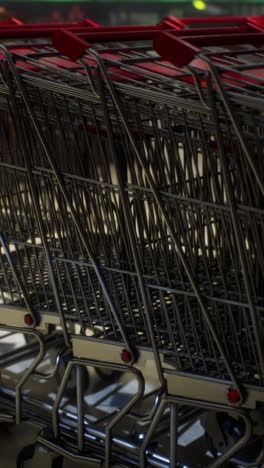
[173, 436]
[61, 391]
[55, 411]
[138, 395]
[237, 446]
[80, 413]
[41, 354]
[152, 427]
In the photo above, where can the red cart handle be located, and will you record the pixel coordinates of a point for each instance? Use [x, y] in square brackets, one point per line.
[210, 20]
[176, 46]
[16, 31]
[15, 24]
[171, 40]
[11, 22]
[167, 22]
[11, 29]
[180, 51]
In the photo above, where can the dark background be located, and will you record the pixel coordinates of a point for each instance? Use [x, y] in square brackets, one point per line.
[122, 12]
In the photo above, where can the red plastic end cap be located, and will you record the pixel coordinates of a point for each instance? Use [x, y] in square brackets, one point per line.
[233, 396]
[28, 319]
[126, 356]
[172, 23]
[174, 49]
[89, 23]
[68, 44]
[11, 21]
[254, 24]
[256, 20]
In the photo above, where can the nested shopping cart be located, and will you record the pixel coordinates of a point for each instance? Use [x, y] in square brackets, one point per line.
[132, 219]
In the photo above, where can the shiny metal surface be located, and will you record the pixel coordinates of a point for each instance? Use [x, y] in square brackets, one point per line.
[131, 200]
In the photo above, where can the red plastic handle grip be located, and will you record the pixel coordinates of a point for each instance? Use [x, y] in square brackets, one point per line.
[43, 30]
[82, 25]
[69, 44]
[224, 20]
[180, 51]
[15, 24]
[11, 22]
[177, 46]
[11, 29]
[197, 36]
[214, 20]
[167, 22]
[105, 34]
[225, 39]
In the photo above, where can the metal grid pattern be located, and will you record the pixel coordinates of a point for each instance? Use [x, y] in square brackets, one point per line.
[147, 247]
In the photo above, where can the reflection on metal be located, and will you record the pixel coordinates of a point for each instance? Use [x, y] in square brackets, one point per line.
[131, 203]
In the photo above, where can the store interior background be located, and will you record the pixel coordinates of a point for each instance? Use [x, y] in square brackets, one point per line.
[123, 12]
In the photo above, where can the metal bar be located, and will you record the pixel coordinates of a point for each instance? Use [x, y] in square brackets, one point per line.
[122, 412]
[235, 219]
[47, 25]
[198, 37]
[52, 374]
[31, 368]
[76, 27]
[43, 235]
[135, 252]
[173, 436]
[80, 405]
[18, 281]
[166, 219]
[160, 460]
[118, 417]
[60, 181]
[197, 40]
[216, 19]
[221, 408]
[23, 352]
[6, 418]
[67, 453]
[159, 410]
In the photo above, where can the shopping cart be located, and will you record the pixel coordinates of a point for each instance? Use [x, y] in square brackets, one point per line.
[132, 202]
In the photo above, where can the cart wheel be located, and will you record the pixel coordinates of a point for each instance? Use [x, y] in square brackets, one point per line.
[70, 389]
[108, 375]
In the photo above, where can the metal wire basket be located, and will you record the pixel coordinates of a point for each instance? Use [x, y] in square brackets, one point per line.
[131, 199]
